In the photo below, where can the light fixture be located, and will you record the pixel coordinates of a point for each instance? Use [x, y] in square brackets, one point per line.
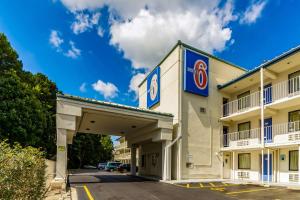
[87, 129]
[133, 126]
[92, 121]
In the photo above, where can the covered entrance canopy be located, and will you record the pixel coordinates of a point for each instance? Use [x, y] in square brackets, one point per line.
[76, 114]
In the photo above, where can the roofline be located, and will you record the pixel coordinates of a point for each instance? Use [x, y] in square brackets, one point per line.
[194, 49]
[263, 65]
[113, 105]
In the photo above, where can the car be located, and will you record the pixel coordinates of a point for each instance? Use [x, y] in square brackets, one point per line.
[101, 166]
[112, 166]
[125, 168]
[89, 167]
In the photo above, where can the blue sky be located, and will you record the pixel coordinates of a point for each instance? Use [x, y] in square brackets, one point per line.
[103, 48]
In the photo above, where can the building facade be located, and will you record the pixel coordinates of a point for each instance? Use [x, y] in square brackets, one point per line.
[121, 151]
[218, 110]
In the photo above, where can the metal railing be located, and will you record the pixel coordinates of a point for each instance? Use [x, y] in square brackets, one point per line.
[240, 135]
[241, 104]
[286, 128]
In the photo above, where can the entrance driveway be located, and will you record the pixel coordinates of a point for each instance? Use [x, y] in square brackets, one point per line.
[94, 184]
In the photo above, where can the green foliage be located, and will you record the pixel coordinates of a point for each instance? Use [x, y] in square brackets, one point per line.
[89, 149]
[22, 172]
[27, 103]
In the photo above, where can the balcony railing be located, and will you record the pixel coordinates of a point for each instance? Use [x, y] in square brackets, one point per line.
[241, 104]
[288, 88]
[284, 89]
[242, 138]
[283, 133]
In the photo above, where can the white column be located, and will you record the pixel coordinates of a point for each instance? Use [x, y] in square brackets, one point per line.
[262, 166]
[262, 107]
[233, 168]
[299, 163]
[61, 157]
[133, 160]
[166, 161]
[268, 170]
[278, 166]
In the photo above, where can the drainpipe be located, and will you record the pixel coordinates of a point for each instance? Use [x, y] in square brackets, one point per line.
[262, 121]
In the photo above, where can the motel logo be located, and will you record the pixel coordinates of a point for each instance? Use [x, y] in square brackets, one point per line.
[196, 73]
[153, 87]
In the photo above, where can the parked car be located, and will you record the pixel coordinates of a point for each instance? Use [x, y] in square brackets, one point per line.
[101, 166]
[125, 168]
[112, 166]
[89, 167]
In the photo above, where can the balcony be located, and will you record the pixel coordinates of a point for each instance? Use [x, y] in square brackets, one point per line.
[241, 108]
[277, 135]
[242, 139]
[284, 94]
[279, 96]
[283, 134]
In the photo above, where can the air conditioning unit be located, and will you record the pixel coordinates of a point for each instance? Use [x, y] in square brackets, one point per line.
[243, 175]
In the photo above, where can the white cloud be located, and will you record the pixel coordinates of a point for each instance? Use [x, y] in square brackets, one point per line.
[134, 83]
[84, 22]
[73, 52]
[100, 31]
[253, 12]
[55, 40]
[82, 87]
[108, 90]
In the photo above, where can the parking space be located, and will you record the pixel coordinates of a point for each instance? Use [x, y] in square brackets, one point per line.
[245, 191]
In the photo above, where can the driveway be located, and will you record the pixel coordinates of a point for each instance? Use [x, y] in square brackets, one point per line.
[94, 185]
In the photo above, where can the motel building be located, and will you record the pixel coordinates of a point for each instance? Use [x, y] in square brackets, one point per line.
[200, 117]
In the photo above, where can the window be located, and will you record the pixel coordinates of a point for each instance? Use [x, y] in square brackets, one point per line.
[294, 82]
[244, 100]
[294, 121]
[293, 160]
[244, 161]
[244, 130]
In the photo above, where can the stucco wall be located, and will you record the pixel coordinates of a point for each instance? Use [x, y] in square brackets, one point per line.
[152, 153]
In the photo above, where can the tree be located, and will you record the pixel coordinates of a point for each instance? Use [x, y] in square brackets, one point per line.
[27, 103]
[89, 149]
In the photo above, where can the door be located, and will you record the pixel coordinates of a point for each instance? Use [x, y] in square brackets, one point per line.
[268, 94]
[226, 165]
[225, 107]
[225, 136]
[268, 130]
[265, 171]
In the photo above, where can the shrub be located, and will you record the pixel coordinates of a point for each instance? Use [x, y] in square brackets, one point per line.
[22, 172]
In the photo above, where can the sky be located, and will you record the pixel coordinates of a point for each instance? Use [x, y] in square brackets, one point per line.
[103, 48]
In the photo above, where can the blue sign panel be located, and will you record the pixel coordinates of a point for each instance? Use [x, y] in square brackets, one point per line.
[153, 87]
[196, 78]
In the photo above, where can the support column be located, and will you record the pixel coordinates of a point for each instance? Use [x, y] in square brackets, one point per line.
[262, 124]
[299, 163]
[166, 161]
[133, 160]
[61, 157]
[233, 168]
[262, 166]
[268, 170]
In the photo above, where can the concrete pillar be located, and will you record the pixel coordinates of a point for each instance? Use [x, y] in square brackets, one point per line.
[166, 161]
[61, 157]
[268, 170]
[262, 166]
[233, 168]
[133, 160]
[299, 163]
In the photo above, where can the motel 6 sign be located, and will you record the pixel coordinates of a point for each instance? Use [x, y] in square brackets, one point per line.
[153, 87]
[196, 73]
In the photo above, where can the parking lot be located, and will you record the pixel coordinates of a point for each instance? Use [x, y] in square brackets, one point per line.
[94, 184]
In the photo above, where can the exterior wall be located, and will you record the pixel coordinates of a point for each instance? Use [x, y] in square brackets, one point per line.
[122, 152]
[284, 171]
[169, 86]
[252, 174]
[201, 131]
[152, 153]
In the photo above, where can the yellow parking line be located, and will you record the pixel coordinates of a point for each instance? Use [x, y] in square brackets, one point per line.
[88, 193]
[201, 185]
[213, 185]
[225, 184]
[253, 190]
[188, 185]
